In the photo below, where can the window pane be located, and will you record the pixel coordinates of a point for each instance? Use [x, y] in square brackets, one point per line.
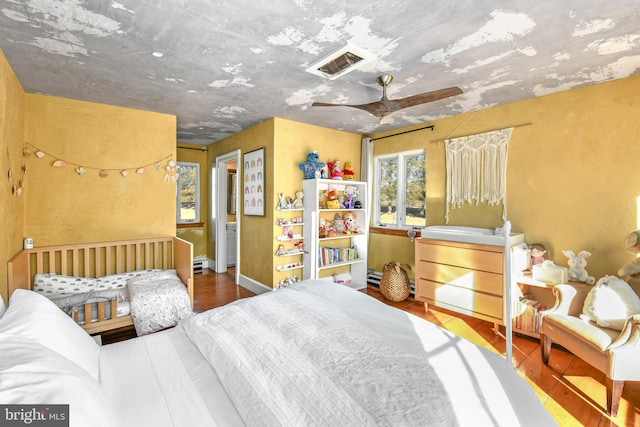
[415, 186]
[388, 181]
[188, 182]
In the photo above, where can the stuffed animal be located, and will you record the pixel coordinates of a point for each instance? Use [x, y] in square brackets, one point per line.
[577, 264]
[280, 251]
[298, 203]
[610, 302]
[351, 191]
[334, 168]
[631, 245]
[348, 172]
[350, 222]
[332, 199]
[313, 166]
[339, 224]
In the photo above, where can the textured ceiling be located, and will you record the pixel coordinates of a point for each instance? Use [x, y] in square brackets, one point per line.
[228, 65]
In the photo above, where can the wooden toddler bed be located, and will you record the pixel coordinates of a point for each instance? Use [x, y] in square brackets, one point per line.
[94, 260]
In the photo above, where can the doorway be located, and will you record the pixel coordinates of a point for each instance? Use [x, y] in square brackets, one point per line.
[225, 209]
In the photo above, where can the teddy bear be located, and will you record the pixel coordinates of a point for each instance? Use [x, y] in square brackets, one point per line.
[313, 166]
[332, 199]
[610, 302]
[577, 264]
[349, 219]
[298, 202]
[631, 245]
[347, 172]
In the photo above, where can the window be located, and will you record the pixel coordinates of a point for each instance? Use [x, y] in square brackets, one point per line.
[188, 198]
[401, 188]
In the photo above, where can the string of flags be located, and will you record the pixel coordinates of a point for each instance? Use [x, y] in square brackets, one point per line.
[168, 164]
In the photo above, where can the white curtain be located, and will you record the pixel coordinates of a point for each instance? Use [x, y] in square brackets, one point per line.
[477, 170]
[366, 166]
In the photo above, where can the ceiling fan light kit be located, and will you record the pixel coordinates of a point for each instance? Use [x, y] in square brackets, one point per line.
[387, 106]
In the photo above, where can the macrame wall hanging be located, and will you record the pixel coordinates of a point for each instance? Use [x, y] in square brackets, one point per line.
[477, 170]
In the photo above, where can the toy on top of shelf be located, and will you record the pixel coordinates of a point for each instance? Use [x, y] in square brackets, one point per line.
[577, 264]
[282, 203]
[313, 166]
[298, 203]
[538, 254]
[348, 172]
[334, 169]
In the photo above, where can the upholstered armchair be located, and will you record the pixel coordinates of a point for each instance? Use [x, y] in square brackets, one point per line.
[615, 353]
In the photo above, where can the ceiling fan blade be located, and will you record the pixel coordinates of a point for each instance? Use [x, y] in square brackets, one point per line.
[387, 106]
[423, 98]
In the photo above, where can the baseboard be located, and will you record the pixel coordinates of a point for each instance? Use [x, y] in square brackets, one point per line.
[252, 285]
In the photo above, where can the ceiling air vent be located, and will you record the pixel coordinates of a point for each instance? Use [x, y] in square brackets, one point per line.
[340, 62]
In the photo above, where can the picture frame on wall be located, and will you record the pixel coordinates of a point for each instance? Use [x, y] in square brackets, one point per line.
[253, 182]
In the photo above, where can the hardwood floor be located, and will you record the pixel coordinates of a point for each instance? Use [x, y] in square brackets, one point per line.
[572, 391]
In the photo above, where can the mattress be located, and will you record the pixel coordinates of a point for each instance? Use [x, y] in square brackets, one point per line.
[171, 379]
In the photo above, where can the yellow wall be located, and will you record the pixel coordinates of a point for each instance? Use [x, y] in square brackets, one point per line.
[197, 235]
[64, 207]
[287, 144]
[573, 180]
[11, 158]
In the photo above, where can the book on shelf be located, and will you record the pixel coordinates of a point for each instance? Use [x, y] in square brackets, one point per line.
[328, 256]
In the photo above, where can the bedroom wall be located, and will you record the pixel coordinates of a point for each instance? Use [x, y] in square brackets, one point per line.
[197, 234]
[64, 207]
[573, 180]
[287, 144]
[11, 145]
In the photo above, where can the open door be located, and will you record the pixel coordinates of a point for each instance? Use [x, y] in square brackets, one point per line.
[224, 209]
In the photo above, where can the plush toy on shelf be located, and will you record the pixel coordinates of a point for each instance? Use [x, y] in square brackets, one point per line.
[351, 191]
[577, 264]
[350, 225]
[298, 202]
[348, 172]
[332, 199]
[313, 166]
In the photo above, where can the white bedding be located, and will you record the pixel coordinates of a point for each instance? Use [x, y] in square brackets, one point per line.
[314, 353]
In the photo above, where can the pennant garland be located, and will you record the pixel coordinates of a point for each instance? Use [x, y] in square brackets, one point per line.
[171, 167]
[17, 184]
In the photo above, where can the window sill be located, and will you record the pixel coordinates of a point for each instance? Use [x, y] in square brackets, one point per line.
[190, 225]
[390, 231]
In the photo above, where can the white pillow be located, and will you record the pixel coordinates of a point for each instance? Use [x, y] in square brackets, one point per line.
[31, 374]
[3, 307]
[610, 302]
[33, 316]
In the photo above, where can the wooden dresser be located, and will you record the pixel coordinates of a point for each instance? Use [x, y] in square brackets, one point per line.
[463, 277]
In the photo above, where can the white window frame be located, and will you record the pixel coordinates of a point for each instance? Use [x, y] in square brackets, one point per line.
[401, 191]
[179, 218]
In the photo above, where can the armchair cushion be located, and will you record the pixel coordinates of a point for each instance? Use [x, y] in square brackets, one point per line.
[587, 332]
[610, 303]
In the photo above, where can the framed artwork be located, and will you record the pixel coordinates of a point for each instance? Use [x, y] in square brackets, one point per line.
[253, 182]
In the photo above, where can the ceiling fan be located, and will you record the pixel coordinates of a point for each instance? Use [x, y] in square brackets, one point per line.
[387, 106]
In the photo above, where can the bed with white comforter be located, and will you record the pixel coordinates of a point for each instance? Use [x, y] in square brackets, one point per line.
[314, 353]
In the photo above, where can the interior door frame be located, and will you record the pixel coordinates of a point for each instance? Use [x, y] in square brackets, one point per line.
[219, 226]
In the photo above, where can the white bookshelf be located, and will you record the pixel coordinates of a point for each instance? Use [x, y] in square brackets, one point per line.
[340, 244]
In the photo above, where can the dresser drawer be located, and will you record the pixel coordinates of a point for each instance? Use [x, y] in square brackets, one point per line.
[474, 259]
[460, 299]
[482, 281]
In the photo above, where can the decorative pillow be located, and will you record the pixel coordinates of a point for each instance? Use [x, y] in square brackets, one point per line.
[31, 374]
[51, 283]
[32, 316]
[610, 302]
